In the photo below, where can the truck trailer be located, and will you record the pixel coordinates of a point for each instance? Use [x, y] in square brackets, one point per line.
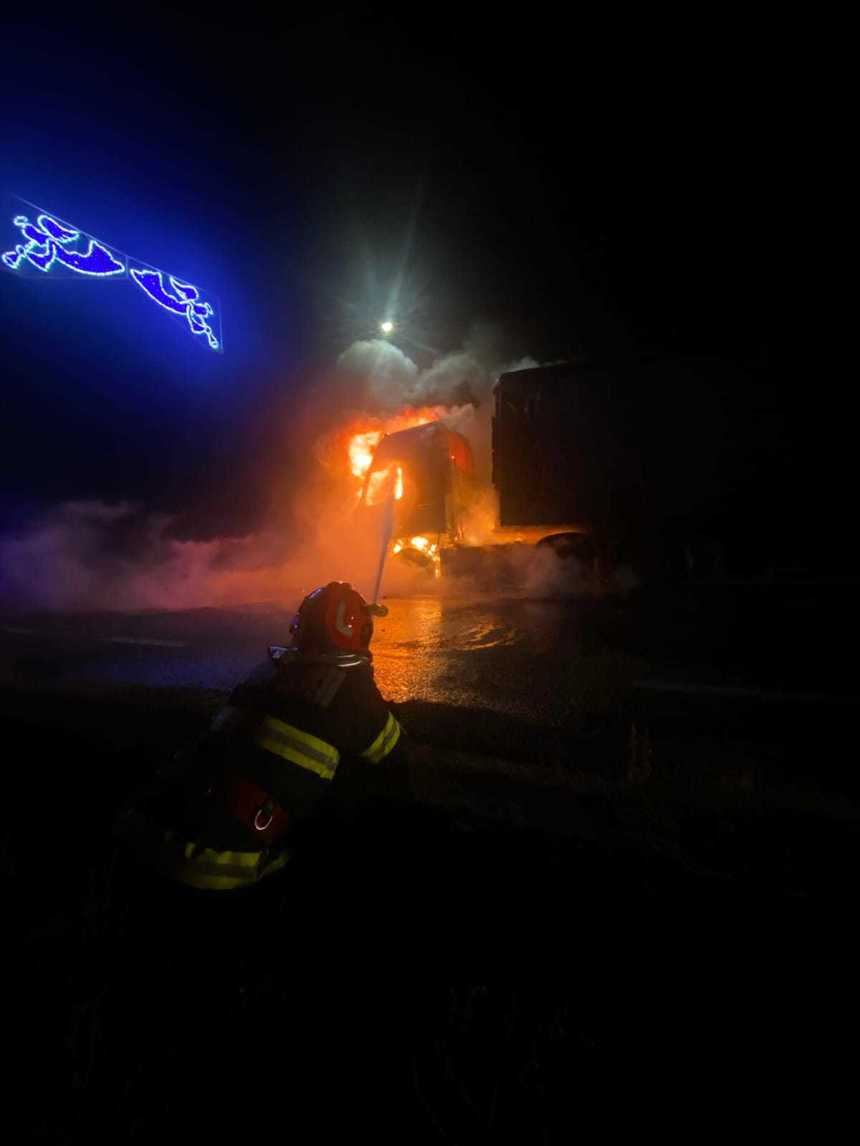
[647, 465]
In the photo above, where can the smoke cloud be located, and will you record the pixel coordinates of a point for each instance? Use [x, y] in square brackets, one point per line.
[88, 554]
[461, 377]
[94, 555]
[391, 374]
[462, 381]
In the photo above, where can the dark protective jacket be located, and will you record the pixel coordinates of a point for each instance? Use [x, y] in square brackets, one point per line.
[238, 806]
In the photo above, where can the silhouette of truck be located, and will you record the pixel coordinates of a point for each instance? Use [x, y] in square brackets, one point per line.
[647, 464]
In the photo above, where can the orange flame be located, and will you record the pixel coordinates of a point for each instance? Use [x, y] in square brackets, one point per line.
[377, 487]
[360, 445]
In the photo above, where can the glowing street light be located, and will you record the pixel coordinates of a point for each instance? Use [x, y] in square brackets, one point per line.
[386, 327]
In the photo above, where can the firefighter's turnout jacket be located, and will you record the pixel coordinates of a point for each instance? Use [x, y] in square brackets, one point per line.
[231, 815]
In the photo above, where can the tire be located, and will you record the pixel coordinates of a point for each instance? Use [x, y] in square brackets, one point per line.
[564, 545]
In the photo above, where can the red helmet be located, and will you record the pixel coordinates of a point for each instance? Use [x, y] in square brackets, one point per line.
[334, 618]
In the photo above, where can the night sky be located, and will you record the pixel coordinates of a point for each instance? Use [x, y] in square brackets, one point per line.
[591, 191]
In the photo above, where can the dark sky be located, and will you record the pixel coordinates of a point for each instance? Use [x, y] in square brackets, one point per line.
[593, 190]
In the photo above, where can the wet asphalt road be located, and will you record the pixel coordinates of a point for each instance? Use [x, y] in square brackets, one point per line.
[466, 653]
[530, 659]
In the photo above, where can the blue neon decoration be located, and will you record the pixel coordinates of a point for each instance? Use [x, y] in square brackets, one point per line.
[49, 243]
[185, 301]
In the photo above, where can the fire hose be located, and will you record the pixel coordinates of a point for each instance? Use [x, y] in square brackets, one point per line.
[387, 530]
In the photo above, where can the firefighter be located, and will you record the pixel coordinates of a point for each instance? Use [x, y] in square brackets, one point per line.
[236, 811]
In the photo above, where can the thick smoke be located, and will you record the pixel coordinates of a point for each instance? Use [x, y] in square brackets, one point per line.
[461, 381]
[92, 555]
[389, 372]
[464, 376]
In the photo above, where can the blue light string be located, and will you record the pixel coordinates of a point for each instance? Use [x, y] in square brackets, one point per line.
[47, 244]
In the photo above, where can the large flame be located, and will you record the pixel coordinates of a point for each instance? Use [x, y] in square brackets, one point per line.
[362, 442]
[379, 484]
[351, 449]
[360, 449]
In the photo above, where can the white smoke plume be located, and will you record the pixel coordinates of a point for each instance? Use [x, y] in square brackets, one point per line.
[462, 380]
[88, 554]
[390, 372]
[463, 376]
[93, 555]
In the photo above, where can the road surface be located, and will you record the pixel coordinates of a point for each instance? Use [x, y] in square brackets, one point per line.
[523, 658]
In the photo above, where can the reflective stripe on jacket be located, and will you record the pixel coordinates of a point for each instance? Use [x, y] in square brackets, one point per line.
[212, 870]
[279, 744]
[191, 863]
[385, 742]
[298, 747]
[316, 755]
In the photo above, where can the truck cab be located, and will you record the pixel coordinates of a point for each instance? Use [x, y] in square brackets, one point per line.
[444, 520]
[430, 471]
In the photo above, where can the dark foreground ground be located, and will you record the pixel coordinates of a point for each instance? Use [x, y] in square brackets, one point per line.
[570, 930]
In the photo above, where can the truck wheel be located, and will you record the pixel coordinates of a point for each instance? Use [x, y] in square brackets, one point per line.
[564, 545]
[415, 559]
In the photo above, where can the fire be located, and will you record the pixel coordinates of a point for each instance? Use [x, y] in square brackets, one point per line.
[377, 487]
[423, 545]
[360, 445]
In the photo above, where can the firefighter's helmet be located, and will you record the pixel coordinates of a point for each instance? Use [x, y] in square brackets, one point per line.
[334, 618]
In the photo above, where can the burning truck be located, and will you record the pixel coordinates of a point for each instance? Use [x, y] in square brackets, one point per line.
[630, 468]
[429, 471]
[446, 519]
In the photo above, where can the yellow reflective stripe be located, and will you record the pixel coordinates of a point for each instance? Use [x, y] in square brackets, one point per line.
[196, 866]
[298, 747]
[211, 870]
[239, 859]
[277, 862]
[384, 742]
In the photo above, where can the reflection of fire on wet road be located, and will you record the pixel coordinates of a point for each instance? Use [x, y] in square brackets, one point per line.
[477, 654]
[510, 656]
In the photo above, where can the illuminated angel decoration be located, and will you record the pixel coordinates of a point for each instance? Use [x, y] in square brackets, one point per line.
[48, 243]
[184, 300]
